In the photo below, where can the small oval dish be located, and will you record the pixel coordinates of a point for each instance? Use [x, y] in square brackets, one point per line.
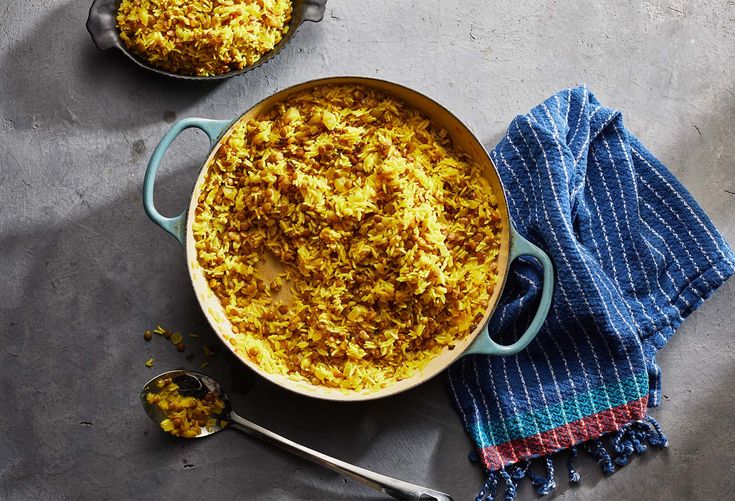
[102, 26]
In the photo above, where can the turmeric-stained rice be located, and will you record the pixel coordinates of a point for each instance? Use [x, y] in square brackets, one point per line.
[186, 415]
[202, 37]
[388, 236]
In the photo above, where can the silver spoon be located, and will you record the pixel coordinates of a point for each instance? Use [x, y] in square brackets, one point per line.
[197, 384]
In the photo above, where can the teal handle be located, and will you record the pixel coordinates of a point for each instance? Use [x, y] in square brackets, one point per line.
[176, 225]
[519, 246]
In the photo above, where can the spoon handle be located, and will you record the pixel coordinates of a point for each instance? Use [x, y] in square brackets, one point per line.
[393, 487]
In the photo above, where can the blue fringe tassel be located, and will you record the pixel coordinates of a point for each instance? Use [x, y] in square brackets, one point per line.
[661, 440]
[549, 484]
[544, 485]
[516, 474]
[488, 490]
[632, 438]
[595, 449]
[636, 437]
[573, 475]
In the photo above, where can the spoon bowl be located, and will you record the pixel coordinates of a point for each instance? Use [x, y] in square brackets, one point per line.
[198, 385]
[191, 384]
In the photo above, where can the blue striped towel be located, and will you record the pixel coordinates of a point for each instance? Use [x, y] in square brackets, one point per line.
[634, 255]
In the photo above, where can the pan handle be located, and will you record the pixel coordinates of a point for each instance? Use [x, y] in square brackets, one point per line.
[484, 345]
[176, 225]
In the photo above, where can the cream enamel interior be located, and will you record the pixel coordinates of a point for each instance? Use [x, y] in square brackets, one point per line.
[462, 138]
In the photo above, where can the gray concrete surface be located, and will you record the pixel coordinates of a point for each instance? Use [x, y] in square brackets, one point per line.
[84, 273]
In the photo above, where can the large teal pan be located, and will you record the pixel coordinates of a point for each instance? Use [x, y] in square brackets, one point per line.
[512, 245]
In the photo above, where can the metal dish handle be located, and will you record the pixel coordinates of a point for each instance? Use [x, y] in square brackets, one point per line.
[101, 24]
[484, 345]
[176, 225]
[314, 10]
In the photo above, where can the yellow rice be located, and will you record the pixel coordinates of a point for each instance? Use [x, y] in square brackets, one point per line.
[387, 234]
[202, 37]
[186, 415]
